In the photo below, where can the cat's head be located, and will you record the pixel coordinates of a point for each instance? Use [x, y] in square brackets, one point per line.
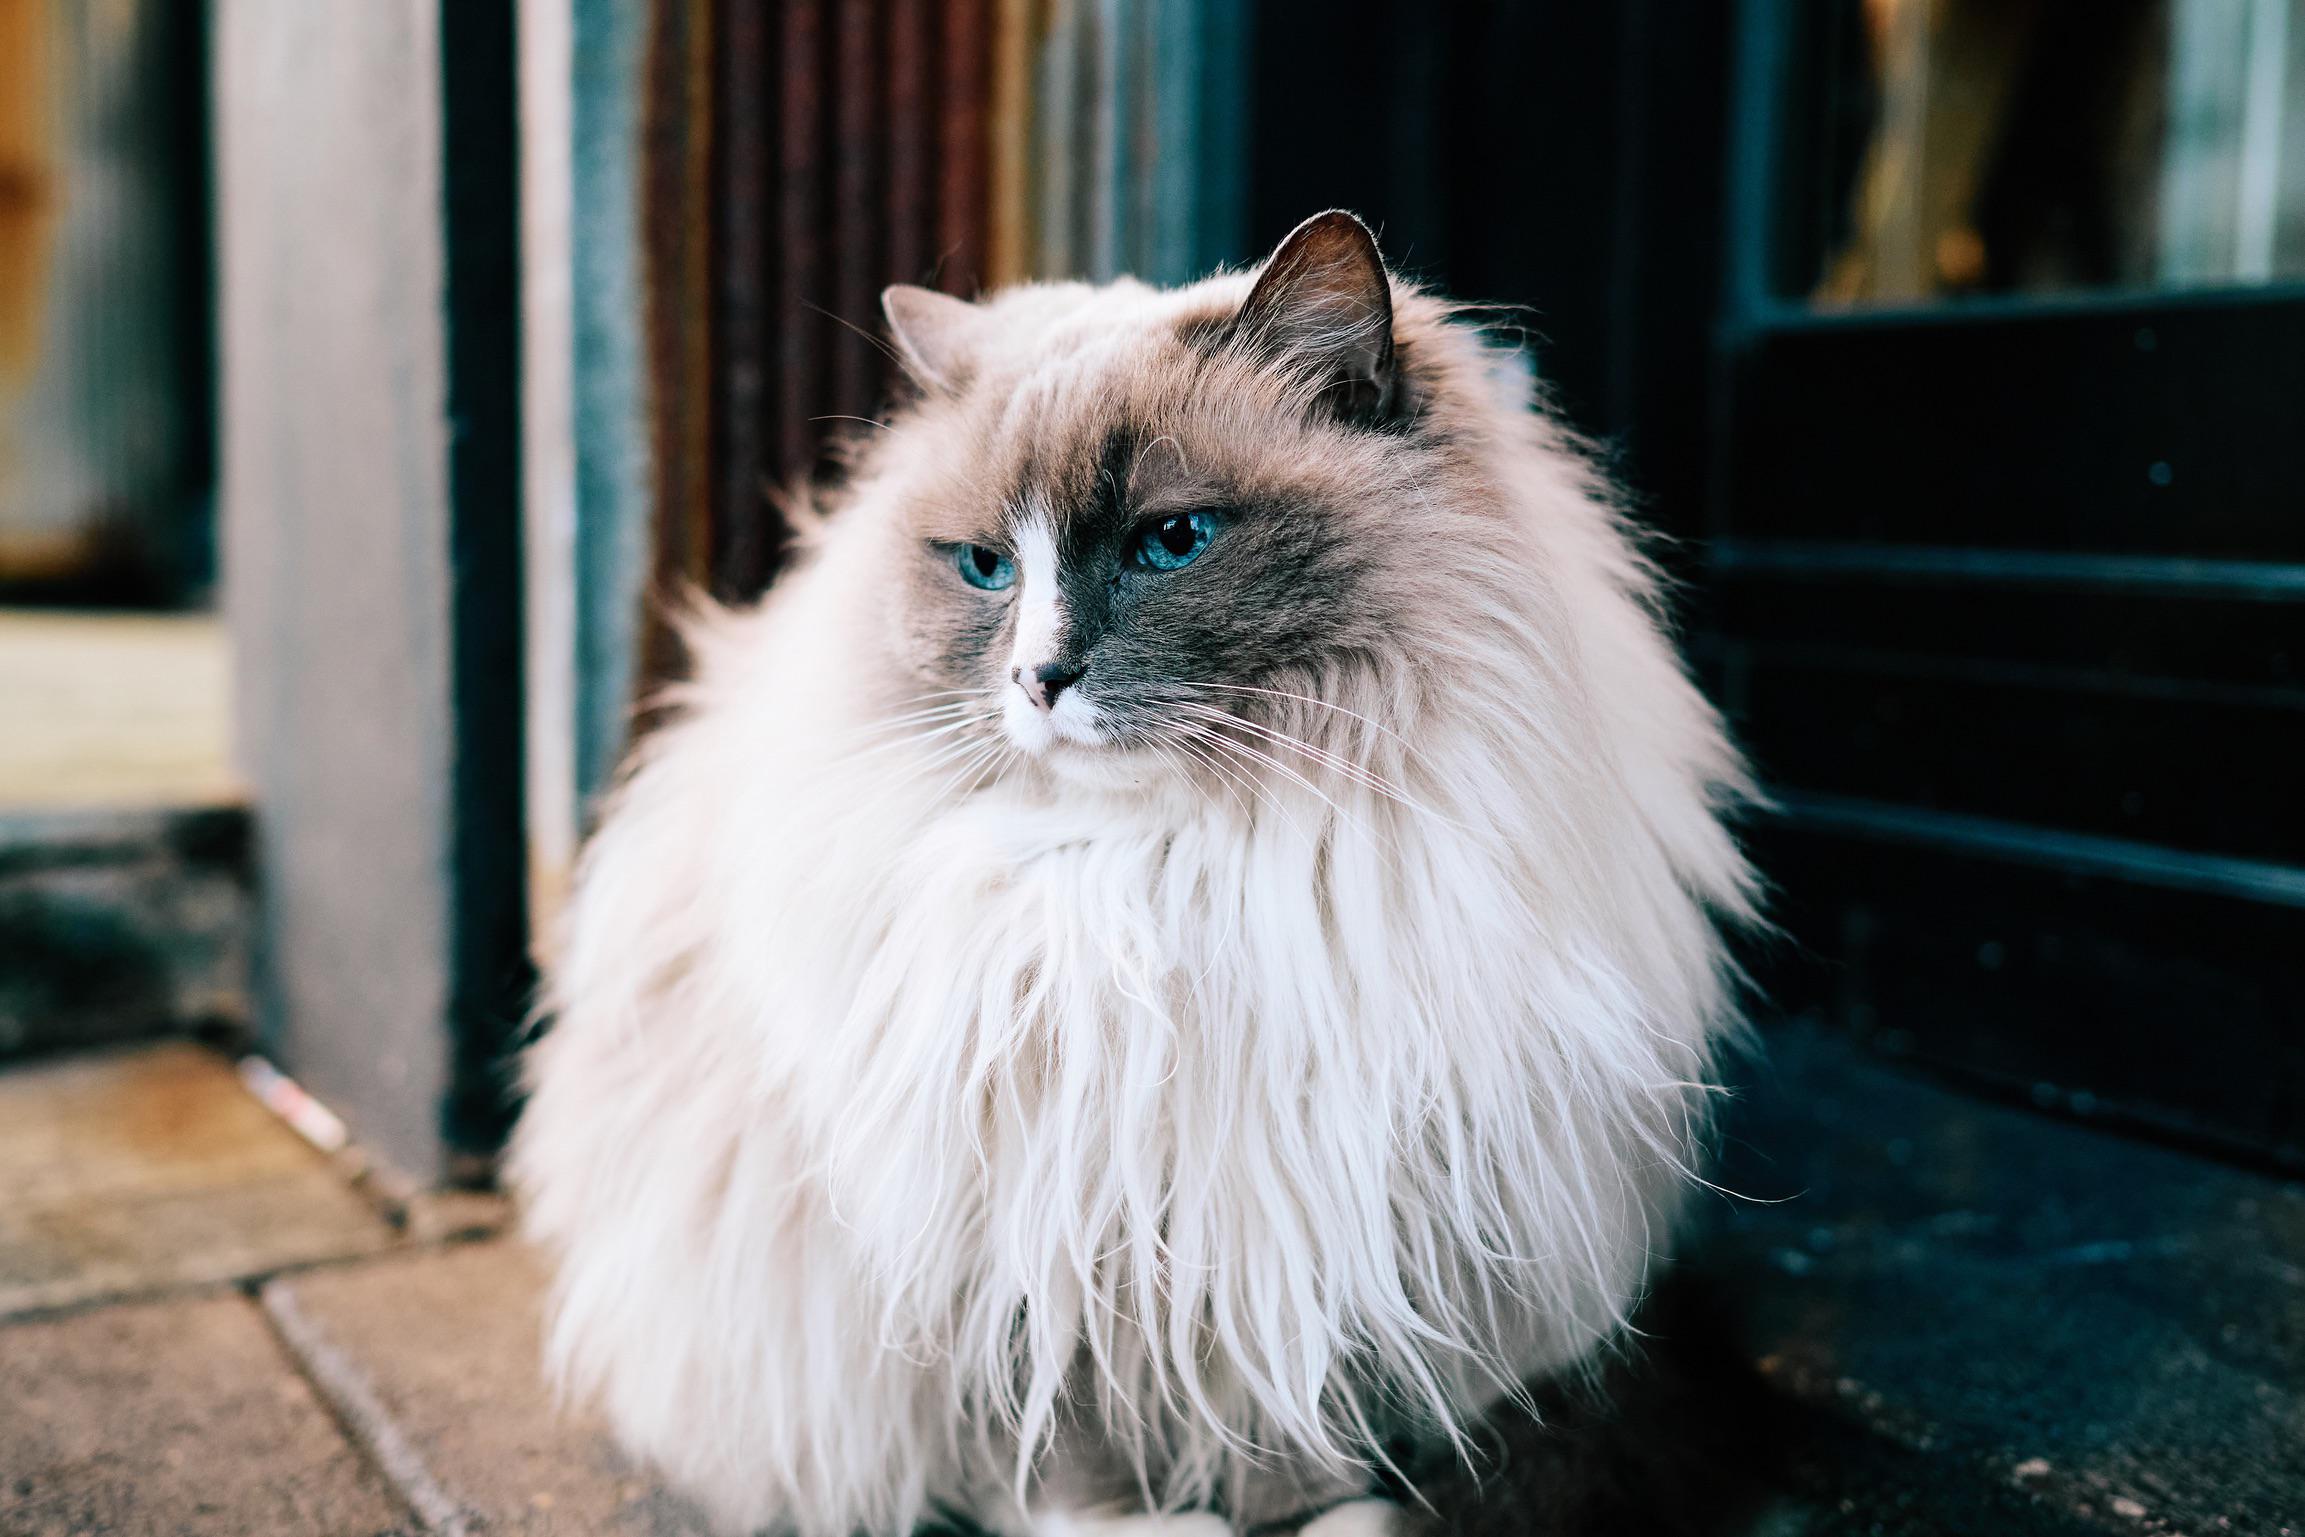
[1126, 510]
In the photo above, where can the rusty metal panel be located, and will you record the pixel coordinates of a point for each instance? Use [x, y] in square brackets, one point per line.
[911, 115]
[801, 201]
[800, 156]
[745, 534]
[797, 158]
[858, 145]
[964, 146]
[677, 260]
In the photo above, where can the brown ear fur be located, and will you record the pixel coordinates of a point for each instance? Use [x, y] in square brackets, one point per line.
[1322, 308]
[935, 334]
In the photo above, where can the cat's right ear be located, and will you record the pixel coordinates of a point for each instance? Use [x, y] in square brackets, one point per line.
[935, 334]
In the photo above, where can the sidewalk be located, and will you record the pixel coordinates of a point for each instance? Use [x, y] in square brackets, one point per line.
[205, 1329]
[1921, 1314]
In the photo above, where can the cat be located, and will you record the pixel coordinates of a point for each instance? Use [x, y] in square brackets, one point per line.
[1177, 952]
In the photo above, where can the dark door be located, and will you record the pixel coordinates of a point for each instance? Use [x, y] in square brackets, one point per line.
[2008, 539]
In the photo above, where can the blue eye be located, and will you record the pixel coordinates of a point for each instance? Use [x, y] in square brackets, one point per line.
[983, 566]
[1174, 541]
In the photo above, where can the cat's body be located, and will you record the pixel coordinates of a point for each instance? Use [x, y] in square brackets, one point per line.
[1043, 1029]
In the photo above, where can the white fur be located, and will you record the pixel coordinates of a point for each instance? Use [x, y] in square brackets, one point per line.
[1040, 615]
[1040, 625]
[918, 1128]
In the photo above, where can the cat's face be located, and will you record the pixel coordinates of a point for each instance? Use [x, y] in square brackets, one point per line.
[1127, 510]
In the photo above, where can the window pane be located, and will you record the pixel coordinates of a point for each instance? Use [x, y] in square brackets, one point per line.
[2039, 146]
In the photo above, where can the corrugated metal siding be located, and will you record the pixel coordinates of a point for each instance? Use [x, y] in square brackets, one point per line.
[742, 178]
[801, 156]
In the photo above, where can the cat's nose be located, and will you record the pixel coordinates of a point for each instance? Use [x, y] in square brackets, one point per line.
[1043, 683]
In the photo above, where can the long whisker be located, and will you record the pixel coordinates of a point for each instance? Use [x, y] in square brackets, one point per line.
[1257, 754]
[1172, 751]
[1366, 778]
[944, 745]
[903, 723]
[957, 695]
[1202, 744]
[959, 708]
[883, 725]
[978, 692]
[944, 697]
[1242, 751]
[973, 770]
[914, 738]
[1280, 693]
[953, 752]
[1176, 751]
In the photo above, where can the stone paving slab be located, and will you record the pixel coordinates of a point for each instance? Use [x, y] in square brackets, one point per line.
[182, 1418]
[1937, 1316]
[433, 1358]
[130, 1172]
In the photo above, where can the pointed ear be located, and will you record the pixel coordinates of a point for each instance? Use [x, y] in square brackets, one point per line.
[935, 334]
[1323, 308]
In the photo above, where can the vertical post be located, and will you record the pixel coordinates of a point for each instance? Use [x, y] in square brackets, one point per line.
[586, 444]
[370, 492]
[548, 443]
[614, 453]
[488, 907]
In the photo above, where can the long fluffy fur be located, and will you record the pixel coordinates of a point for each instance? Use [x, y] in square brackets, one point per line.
[915, 1131]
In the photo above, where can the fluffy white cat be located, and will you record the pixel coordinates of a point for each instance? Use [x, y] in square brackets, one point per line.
[1175, 950]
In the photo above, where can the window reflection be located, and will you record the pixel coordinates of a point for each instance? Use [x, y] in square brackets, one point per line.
[2037, 146]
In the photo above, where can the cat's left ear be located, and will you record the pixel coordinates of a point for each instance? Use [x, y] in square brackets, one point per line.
[1323, 308]
[935, 334]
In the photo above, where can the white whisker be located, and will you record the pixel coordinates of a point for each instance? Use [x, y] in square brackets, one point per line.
[1366, 778]
[1275, 693]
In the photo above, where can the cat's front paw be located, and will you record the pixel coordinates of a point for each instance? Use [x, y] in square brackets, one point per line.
[1196, 1523]
[1354, 1518]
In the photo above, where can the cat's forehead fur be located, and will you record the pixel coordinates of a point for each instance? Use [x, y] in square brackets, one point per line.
[1076, 386]
[1320, 427]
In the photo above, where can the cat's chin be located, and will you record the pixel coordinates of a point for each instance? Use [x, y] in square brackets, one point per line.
[1070, 746]
[1106, 768]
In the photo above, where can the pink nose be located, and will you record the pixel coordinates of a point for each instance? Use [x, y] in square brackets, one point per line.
[1042, 684]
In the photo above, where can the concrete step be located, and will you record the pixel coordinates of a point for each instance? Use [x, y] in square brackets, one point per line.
[118, 924]
[124, 897]
[114, 710]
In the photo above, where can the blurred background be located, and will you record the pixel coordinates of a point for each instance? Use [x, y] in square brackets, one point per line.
[371, 372]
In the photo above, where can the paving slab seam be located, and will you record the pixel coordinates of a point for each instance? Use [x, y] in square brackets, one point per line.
[249, 1283]
[256, 1281]
[183, 1291]
[353, 1399]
